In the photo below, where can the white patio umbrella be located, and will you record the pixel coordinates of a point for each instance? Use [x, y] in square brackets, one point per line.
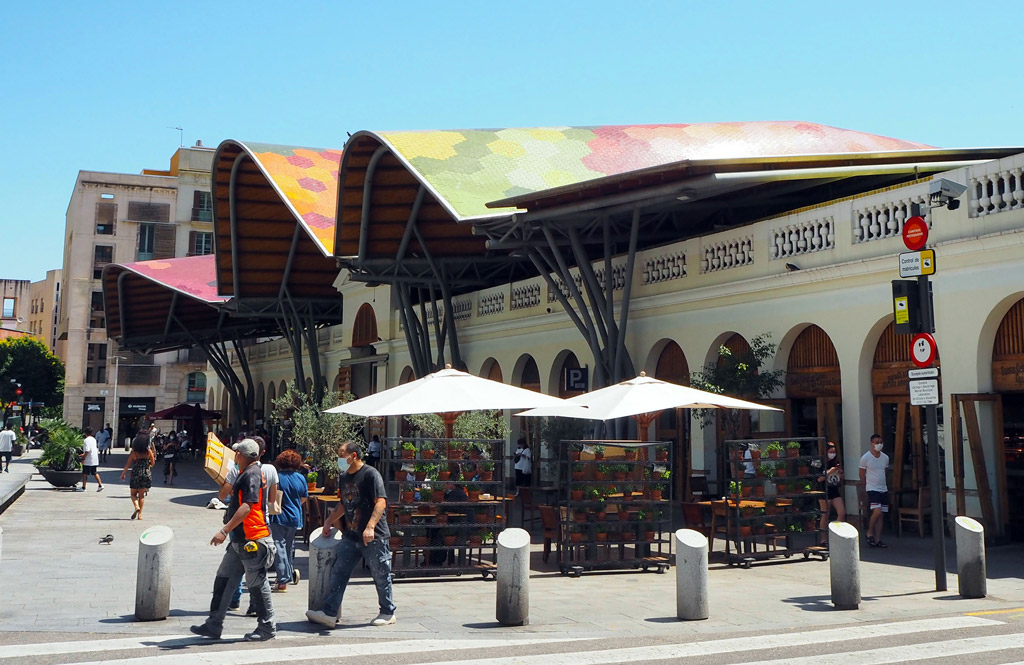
[448, 392]
[642, 398]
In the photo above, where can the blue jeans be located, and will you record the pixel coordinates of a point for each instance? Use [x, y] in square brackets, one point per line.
[377, 556]
[284, 540]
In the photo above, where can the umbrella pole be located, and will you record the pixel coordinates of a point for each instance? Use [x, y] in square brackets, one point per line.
[643, 424]
[449, 419]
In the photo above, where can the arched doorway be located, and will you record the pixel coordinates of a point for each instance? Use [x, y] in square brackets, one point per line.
[564, 362]
[1008, 383]
[674, 424]
[271, 396]
[491, 370]
[364, 328]
[901, 425]
[814, 386]
[526, 374]
[259, 415]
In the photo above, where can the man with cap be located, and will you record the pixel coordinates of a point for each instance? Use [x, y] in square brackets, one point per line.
[250, 549]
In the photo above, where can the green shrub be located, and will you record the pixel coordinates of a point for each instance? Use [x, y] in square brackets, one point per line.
[61, 451]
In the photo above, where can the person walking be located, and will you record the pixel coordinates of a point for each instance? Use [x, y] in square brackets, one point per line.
[169, 454]
[523, 463]
[250, 551]
[140, 461]
[873, 464]
[90, 459]
[373, 452]
[831, 480]
[293, 491]
[7, 439]
[365, 536]
[103, 443]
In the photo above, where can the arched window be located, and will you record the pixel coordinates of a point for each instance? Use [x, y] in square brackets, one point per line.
[196, 390]
[364, 330]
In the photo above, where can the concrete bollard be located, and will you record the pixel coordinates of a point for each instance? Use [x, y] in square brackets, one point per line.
[1, 553]
[970, 558]
[513, 575]
[691, 575]
[322, 553]
[844, 565]
[153, 577]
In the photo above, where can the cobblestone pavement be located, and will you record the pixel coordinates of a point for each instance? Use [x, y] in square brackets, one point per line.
[56, 576]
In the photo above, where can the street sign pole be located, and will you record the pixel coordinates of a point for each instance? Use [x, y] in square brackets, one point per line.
[938, 498]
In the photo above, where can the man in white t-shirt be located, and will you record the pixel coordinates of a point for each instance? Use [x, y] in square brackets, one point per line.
[524, 463]
[7, 439]
[873, 464]
[90, 458]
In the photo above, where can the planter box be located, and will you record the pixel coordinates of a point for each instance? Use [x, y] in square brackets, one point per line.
[61, 479]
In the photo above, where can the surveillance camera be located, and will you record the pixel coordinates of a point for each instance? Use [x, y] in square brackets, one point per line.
[945, 191]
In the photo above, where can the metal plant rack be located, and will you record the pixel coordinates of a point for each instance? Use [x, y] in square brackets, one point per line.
[432, 533]
[616, 512]
[778, 516]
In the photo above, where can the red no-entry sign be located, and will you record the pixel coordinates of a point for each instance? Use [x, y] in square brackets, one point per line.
[922, 349]
[915, 233]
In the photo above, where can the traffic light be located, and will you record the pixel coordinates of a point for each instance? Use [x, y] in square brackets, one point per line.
[18, 392]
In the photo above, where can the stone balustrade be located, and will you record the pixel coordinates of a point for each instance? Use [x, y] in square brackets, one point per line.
[727, 254]
[802, 237]
[525, 296]
[664, 267]
[994, 193]
[491, 302]
[884, 218]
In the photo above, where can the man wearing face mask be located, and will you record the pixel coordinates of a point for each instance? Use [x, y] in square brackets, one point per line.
[365, 536]
[872, 479]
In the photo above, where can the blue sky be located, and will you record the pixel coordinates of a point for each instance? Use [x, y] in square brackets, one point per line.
[100, 85]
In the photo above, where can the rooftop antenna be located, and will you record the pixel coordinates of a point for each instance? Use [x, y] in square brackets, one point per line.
[181, 136]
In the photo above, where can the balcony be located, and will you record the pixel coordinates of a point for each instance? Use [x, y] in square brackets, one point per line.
[202, 214]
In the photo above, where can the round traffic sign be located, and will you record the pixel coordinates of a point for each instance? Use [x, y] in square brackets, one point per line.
[922, 349]
[915, 233]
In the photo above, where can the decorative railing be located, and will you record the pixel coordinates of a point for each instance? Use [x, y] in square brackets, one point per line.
[490, 303]
[525, 296]
[996, 192]
[885, 219]
[564, 289]
[663, 268]
[462, 309]
[803, 237]
[618, 277]
[727, 254]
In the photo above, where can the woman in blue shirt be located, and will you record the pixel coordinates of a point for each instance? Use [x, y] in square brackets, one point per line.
[293, 491]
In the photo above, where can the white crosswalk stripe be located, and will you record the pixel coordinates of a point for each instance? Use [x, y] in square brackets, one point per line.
[735, 645]
[108, 644]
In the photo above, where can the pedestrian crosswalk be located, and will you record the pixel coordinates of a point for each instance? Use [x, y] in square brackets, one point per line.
[909, 641]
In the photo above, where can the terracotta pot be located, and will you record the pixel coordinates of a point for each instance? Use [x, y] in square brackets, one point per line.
[444, 475]
[579, 516]
[474, 495]
[577, 495]
[746, 490]
[475, 541]
[575, 537]
[449, 540]
[628, 536]
[475, 455]
[454, 453]
[420, 541]
[745, 532]
[420, 476]
[408, 496]
[405, 518]
[486, 476]
[482, 518]
[655, 495]
[577, 475]
[629, 454]
[600, 536]
[468, 476]
[600, 475]
[312, 486]
[649, 536]
[619, 475]
[427, 454]
[792, 452]
[780, 472]
[623, 516]
[759, 490]
[755, 454]
[803, 470]
[600, 517]
[408, 454]
[441, 519]
[395, 542]
[598, 456]
[773, 454]
[747, 512]
[661, 456]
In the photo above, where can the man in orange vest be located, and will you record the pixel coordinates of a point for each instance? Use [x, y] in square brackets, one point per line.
[250, 549]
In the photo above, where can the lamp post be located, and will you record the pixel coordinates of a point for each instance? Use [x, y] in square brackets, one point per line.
[114, 418]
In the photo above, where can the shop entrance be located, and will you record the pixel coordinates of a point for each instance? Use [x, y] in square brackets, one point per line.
[814, 387]
[674, 424]
[1008, 383]
[1013, 455]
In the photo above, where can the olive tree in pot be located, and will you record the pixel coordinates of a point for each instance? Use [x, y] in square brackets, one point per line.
[59, 463]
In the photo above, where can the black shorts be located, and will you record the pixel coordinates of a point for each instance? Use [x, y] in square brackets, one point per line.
[878, 500]
[89, 470]
[5, 455]
[831, 492]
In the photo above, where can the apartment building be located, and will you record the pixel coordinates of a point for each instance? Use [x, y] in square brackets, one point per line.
[15, 294]
[123, 217]
[43, 310]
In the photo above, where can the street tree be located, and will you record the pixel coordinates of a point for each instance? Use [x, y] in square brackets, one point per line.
[27, 360]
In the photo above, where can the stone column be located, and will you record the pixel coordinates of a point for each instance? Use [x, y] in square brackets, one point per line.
[153, 578]
[970, 558]
[322, 553]
[844, 565]
[513, 575]
[691, 575]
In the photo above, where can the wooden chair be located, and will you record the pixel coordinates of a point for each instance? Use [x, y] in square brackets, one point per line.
[699, 485]
[693, 518]
[719, 524]
[916, 514]
[526, 504]
[549, 521]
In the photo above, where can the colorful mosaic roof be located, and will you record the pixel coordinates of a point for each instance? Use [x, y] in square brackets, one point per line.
[469, 168]
[194, 276]
[307, 179]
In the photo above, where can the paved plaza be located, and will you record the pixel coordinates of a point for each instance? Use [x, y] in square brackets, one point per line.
[56, 576]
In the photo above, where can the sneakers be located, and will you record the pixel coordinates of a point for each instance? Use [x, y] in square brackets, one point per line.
[251, 611]
[295, 576]
[100, 488]
[235, 606]
[322, 618]
[259, 636]
[279, 588]
[383, 620]
[205, 631]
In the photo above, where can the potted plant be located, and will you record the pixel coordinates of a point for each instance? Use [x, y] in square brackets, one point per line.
[59, 463]
[576, 495]
[734, 488]
[476, 451]
[578, 472]
[575, 535]
[661, 454]
[765, 470]
[598, 452]
[486, 472]
[746, 490]
[629, 454]
[475, 539]
[408, 450]
[448, 536]
[421, 470]
[455, 449]
[755, 452]
[311, 480]
[473, 491]
[600, 534]
[758, 491]
[408, 494]
[601, 472]
[443, 476]
[803, 469]
[427, 450]
[657, 492]
[774, 450]
[793, 449]
[619, 471]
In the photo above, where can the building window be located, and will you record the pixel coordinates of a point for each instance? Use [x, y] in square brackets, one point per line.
[97, 352]
[196, 391]
[9, 306]
[200, 243]
[97, 319]
[102, 255]
[106, 214]
[202, 206]
[96, 374]
[142, 211]
[147, 242]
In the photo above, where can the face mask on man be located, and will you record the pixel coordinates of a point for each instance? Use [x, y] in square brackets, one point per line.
[343, 464]
[878, 447]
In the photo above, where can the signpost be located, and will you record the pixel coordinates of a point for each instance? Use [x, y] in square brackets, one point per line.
[924, 388]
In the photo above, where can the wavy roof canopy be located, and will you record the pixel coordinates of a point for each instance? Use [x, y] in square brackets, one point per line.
[278, 189]
[168, 304]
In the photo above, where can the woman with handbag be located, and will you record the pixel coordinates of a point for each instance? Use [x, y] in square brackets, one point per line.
[292, 494]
